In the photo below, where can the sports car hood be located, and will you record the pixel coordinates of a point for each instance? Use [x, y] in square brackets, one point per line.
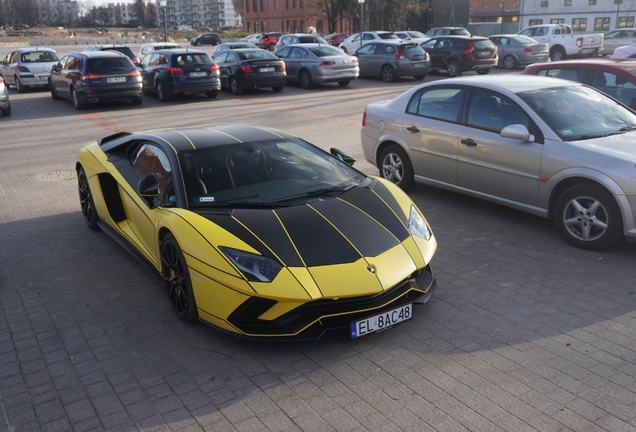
[355, 244]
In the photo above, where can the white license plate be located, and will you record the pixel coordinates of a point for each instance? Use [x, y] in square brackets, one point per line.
[116, 80]
[193, 74]
[267, 69]
[418, 65]
[345, 73]
[381, 321]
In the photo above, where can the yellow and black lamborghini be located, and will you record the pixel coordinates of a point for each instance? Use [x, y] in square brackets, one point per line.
[260, 233]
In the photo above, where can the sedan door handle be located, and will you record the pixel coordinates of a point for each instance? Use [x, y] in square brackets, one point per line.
[469, 142]
[413, 129]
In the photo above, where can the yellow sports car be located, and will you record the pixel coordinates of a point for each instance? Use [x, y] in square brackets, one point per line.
[260, 233]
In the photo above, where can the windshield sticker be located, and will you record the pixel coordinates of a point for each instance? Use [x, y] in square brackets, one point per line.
[206, 199]
[566, 132]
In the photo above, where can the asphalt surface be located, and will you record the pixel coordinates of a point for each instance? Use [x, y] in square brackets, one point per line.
[524, 332]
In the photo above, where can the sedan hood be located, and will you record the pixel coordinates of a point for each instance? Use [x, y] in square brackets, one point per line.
[621, 147]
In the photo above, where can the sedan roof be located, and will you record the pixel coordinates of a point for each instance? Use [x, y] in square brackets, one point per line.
[626, 64]
[512, 83]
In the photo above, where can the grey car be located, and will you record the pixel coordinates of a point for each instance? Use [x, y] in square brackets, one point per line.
[518, 50]
[618, 38]
[299, 38]
[311, 64]
[392, 59]
[230, 46]
[550, 147]
[5, 104]
[28, 67]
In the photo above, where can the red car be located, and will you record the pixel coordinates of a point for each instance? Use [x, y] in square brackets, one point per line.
[269, 40]
[614, 77]
[336, 38]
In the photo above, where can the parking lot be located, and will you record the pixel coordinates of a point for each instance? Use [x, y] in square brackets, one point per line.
[524, 332]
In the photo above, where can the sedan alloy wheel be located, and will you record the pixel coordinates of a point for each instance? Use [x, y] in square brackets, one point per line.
[396, 167]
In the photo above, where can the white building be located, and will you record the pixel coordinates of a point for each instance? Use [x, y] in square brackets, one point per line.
[216, 14]
[592, 16]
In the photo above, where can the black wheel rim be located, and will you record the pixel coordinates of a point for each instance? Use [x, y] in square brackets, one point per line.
[387, 74]
[175, 278]
[86, 199]
[305, 80]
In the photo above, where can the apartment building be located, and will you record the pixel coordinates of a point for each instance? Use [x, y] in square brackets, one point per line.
[216, 14]
[583, 15]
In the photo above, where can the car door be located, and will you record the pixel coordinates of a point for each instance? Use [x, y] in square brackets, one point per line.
[147, 73]
[438, 50]
[9, 65]
[429, 128]
[69, 73]
[224, 68]
[365, 58]
[56, 74]
[491, 164]
[503, 46]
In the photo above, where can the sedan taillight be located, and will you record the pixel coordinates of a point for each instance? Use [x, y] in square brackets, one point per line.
[354, 60]
[91, 77]
[246, 68]
[135, 73]
[214, 69]
[400, 54]
[282, 67]
[327, 63]
[527, 49]
[174, 70]
[23, 69]
[364, 117]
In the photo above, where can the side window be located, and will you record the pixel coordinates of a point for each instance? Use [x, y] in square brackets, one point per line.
[283, 52]
[367, 36]
[150, 159]
[438, 103]
[151, 59]
[70, 63]
[428, 45]
[492, 111]
[366, 49]
[221, 58]
[14, 57]
[62, 62]
[569, 74]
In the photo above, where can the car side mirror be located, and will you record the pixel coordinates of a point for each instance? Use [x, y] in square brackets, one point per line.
[344, 157]
[148, 188]
[518, 132]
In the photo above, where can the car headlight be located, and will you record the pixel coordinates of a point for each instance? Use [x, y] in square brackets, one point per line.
[418, 226]
[254, 267]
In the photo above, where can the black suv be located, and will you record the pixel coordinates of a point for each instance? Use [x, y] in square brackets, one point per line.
[456, 54]
[124, 49]
[206, 39]
[91, 77]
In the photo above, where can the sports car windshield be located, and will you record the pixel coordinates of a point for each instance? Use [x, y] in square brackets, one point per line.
[263, 173]
[579, 112]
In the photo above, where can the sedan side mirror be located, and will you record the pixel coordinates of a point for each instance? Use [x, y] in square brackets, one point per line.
[518, 132]
[344, 157]
[148, 188]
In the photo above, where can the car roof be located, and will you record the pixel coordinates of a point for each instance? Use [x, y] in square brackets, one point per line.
[184, 139]
[154, 44]
[313, 45]
[31, 49]
[467, 37]
[98, 54]
[513, 83]
[109, 46]
[625, 64]
[180, 51]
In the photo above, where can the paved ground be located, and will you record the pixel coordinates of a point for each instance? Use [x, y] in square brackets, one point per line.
[524, 332]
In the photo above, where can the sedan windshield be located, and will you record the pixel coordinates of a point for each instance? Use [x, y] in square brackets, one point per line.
[578, 112]
[39, 57]
[271, 173]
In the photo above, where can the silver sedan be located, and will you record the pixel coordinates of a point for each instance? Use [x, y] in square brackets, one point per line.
[26, 67]
[519, 50]
[550, 147]
[311, 64]
[5, 104]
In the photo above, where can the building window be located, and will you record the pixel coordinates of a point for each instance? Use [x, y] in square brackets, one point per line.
[294, 4]
[579, 24]
[249, 27]
[294, 28]
[567, 2]
[515, 4]
[592, 2]
[535, 22]
[618, 1]
[302, 26]
[262, 5]
[557, 21]
[544, 3]
[282, 25]
[286, 4]
[626, 22]
[287, 27]
[255, 4]
[263, 27]
[484, 5]
[601, 24]
[256, 27]
[319, 26]
[247, 7]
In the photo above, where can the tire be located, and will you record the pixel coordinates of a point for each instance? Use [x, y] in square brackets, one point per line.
[419, 77]
[76, 101]
[483, 71]
[588, 217]
[86, 200]
[217, 43]
[177, 280]
[54, 94]
[509, 62]
[7, 111]
[395, 166]
[161, 93]
[212, 94]
[271, 47]
[453, 68]
[235, 88]
[137, 100]
[557, 54]
[388, 74]
[344, 83]
[18, 85]
[305, 80]
[198, 43]
[278, 88]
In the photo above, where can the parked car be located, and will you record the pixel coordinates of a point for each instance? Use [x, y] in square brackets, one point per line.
[206, 39]
[516, 50]
[253, 38]
[458, 54]
[229, 46]
[169, 73]
[89, 77]
[393, 59]
[299, 38]
[625, 52]
[618, 38]
[124, 49]
[563, 42]
[413, 36]
[250, 68]
[550, 147]
[355, 41]
[27, 67]
[336, 39]
[5, 104]
[614, 77]
[148, 48]
[311, 64]
[443, 31]
[269, 40]
[260, 233]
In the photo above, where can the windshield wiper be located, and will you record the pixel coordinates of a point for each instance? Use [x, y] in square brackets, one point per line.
[584, 137]
[627, 128]
[315, 192]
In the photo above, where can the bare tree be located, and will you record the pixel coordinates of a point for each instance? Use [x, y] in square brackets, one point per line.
[139, 11]
[239, 6]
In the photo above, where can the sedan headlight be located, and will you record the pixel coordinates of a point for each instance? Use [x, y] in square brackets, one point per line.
[417, 225]
[254, 267]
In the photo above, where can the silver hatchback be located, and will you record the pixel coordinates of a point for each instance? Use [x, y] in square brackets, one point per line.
[392, 59]
[5, 105]
[27, 67]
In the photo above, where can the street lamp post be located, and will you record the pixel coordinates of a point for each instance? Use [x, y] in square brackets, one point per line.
[361, 17]
[502, 15]
[164, 7]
